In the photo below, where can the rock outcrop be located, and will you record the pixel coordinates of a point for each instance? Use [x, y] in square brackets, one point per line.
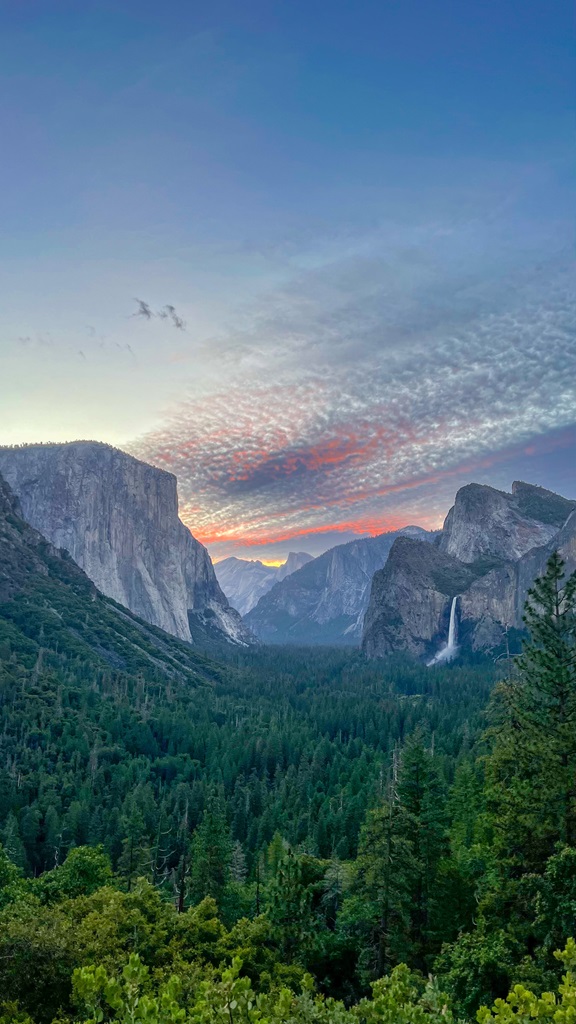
[484, 521]
[245, 581]
[411, 597]
[325, 601]
[52, 611]
[295, 561]
[118, 519]
[491, 548]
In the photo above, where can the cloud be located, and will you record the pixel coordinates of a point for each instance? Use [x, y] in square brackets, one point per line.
[169, 313]
[359, 392]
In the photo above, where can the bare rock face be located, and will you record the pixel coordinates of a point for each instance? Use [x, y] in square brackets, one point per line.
[245, 581]
[324, 602]
[118, 519]
[295, 561]
[484, 521]
[410, 599]
[534, 563]
[489, 605]
[492, 547]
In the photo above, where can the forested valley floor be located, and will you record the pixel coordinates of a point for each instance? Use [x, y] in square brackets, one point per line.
[289, 835]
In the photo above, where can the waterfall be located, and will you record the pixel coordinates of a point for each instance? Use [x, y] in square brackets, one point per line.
[450, 649]
[452, 626]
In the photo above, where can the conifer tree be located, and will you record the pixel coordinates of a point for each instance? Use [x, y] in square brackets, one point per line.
[211, 855]
[289, 907]
[531, 774]
[385, 870]
[525, 900]
[422, 801]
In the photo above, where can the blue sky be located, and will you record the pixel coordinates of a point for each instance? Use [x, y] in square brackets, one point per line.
[363, 214]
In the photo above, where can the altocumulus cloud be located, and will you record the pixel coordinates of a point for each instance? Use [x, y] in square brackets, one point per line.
[385, 366]
[398, 396]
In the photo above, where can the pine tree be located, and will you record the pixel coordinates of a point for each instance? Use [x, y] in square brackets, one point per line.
[135, 858]
[422, 801]
[12, 842]
[525, 900]
[531, 773]
[385, 870]
[211, 854]
[289, 907]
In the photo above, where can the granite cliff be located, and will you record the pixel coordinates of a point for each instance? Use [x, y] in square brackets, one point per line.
[53, 617]
[245, 581]
[324, 602]
[485, 521]
[492, 546]
[118, 519]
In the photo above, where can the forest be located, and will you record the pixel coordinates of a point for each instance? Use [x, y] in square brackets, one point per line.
[288, 835]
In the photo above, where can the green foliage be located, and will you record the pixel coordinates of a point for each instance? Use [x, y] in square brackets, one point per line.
[522, 843]
[84, 871]
[275, 838]
[532, 770]
[405, 998]
[211, 856]
[522, 1005]
[402, 998]
[123, 999]
[289, 908]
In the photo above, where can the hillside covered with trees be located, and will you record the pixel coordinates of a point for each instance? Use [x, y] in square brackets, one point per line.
[286, 836]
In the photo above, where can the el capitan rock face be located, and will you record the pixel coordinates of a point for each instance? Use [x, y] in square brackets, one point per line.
[492, 547]
[118, 519]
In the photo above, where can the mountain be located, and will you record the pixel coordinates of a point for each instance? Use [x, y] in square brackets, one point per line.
[485, 521]
[295, 561]
[53, 618]
[244, 582]
[492, 546]
[118, 519]
[324, 601]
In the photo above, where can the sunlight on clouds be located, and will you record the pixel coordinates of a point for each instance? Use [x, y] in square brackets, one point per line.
[344, 447]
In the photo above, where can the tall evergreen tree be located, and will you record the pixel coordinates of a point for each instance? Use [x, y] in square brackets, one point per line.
[211, 856]
[380, 904]
[422, 799]
[289, 907]
[526, 897]
[531, 773]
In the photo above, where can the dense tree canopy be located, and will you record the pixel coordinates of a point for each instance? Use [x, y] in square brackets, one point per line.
[293, 835]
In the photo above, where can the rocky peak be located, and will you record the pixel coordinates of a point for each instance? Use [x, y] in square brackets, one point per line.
[245, 581]
[325, 600]
[492, 547]
[118, 519]
[295, 560]
[410, 598]
[538, 503]
[488, 522]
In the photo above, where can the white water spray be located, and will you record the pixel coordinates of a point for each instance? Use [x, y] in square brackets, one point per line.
[450, 649]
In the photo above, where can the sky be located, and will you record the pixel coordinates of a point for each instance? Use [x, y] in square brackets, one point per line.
[314, 258]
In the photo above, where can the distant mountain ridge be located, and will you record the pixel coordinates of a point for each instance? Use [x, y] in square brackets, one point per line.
[118, 519]
[324, 602]
[491, 548]
[245, 581]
